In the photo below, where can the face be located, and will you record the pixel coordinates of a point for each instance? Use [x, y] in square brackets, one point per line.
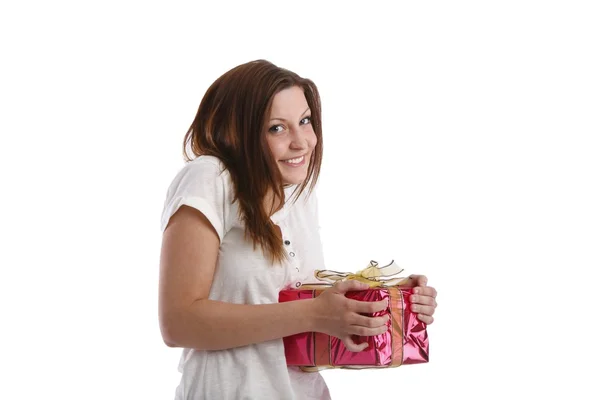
[290, 135]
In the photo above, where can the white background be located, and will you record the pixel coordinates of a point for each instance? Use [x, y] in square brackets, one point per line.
[463, 136]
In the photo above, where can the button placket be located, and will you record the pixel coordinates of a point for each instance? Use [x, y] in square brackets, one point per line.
[293, 261]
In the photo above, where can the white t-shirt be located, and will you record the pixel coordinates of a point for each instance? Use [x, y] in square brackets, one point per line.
[244, 276]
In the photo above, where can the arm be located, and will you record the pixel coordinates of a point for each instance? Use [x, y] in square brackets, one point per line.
[214, 325]
[189, 319]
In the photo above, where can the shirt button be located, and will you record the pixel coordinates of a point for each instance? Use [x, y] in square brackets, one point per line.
[298, 284]
[287, 242]
[292, 254]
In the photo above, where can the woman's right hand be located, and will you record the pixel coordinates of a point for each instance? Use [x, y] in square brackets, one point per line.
[338, 316]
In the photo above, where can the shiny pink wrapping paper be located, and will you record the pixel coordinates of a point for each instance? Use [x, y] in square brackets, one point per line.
[405, 342]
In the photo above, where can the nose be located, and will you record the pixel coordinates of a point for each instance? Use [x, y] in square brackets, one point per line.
[298, 139]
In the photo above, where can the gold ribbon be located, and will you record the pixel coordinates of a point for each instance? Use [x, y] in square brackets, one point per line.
[373, 275]
[397, 337]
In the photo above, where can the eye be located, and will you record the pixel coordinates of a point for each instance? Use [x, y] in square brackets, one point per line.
[275, 129]
[307, 119]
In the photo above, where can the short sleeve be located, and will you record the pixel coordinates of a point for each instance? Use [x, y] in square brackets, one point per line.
[200, 184]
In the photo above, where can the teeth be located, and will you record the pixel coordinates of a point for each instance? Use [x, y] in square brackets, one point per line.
[295, 160]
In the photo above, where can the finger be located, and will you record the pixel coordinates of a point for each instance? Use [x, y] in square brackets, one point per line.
[368, 307]
[348, 286]
[428, 319]
[420, 280]
[369, 322]
[423, 299]
[350, 345]
[363, 331]
[425, 310]
[426, 290]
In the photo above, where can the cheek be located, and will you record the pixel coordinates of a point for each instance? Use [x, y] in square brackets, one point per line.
[277, 149]
[312, 139]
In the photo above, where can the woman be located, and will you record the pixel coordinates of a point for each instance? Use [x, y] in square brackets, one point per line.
[239, 225]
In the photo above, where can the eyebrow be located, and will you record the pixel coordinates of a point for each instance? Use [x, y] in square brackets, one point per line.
[283, 119]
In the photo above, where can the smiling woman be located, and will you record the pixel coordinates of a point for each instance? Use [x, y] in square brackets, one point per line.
[239, 226]
[253, 119]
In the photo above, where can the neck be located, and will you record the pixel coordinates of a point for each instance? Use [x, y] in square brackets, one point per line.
[270, 204]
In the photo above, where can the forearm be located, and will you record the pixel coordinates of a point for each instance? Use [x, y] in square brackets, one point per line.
[215, 325]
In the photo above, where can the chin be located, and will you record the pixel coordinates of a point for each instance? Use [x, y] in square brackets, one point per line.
[289, 180]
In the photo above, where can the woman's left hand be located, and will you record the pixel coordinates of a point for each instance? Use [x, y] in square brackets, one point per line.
[423, 299]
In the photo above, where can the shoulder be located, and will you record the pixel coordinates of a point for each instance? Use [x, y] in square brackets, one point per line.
[202, 171]
[203, 177]
[204, 165]
[309, 196]
[204, 184]
[307, 201]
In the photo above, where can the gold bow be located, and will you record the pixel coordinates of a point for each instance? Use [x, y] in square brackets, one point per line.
[372, 275]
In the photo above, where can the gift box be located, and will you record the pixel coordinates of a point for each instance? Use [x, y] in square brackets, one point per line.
[405, 342]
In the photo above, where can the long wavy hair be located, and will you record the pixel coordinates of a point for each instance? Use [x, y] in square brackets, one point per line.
[231, 124]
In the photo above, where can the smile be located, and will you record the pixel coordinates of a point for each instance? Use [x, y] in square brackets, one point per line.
[295, 161]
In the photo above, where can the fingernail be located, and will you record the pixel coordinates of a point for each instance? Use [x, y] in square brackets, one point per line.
[416, 290]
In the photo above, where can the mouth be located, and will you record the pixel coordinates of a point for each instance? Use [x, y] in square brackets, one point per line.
[295, 162]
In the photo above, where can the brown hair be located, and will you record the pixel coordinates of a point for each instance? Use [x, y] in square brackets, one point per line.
[231, 124]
